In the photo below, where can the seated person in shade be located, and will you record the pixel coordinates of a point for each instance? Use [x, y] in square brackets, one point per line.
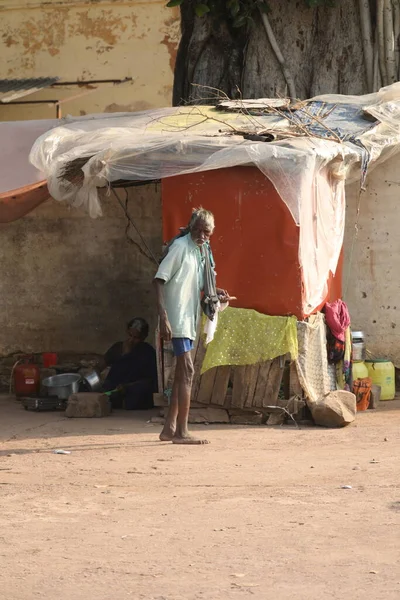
[133, 369]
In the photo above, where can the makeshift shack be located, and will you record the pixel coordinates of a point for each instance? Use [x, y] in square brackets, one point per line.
[274, 175]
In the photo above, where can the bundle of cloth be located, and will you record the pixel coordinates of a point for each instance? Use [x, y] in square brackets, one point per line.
[337, 318]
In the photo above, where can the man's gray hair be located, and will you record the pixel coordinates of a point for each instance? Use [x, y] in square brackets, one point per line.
[203, 215]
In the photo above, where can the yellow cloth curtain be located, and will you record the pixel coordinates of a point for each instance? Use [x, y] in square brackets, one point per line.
[246, 337]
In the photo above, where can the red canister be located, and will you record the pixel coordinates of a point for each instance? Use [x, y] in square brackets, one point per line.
[49, 359]
[27, 377]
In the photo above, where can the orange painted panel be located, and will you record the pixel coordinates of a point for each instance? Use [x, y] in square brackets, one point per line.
[18, 203]
[256, 241]
[335, 282]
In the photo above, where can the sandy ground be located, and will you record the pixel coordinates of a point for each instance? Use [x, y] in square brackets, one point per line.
[259, 513]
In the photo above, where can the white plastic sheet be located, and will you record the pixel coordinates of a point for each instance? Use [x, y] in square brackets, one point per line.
[18, 137]
[309, 173]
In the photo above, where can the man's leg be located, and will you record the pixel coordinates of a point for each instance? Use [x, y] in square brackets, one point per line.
[169, 428]
[183, 381]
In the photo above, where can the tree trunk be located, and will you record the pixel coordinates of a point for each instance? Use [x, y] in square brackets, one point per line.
[322, 49]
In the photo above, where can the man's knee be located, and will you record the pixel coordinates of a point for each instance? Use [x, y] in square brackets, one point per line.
[186, 368]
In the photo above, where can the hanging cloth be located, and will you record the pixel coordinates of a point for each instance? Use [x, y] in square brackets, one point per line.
[246, 337]
[210, 301]
[337, 318]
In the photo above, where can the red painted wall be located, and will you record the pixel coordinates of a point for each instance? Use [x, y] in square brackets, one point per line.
[256, 241]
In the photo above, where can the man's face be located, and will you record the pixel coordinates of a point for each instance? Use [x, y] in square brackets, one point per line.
[201, 233]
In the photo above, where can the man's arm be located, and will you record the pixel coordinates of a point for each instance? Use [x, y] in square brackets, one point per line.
[165, 327]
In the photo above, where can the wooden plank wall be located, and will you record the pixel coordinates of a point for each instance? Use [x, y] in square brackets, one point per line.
[252, 387]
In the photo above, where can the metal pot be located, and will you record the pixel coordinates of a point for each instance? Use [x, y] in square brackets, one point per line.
[358, 343]
[62, 386]
[93, 381]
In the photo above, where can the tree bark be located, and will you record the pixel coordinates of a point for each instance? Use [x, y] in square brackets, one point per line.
[322, 50]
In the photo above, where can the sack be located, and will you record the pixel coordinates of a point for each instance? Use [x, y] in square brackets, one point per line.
[362, 390]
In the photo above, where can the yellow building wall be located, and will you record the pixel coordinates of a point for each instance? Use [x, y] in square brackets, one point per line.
[89, 40]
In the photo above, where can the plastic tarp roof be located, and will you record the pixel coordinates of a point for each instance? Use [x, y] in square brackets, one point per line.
[15, 169]
[316, 148]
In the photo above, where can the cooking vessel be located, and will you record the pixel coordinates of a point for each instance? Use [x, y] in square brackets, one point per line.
[93, 381]
[62, 386]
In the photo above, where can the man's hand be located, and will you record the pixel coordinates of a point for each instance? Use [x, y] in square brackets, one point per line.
[165, 329]
[223, 295]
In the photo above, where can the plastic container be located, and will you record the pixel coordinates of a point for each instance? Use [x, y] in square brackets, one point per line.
[27, 377]
[360, 370]
[358, 346]
[375, 396]
[49, 359]
[382, 373]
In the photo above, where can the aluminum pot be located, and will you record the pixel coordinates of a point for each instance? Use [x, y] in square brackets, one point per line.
[359, 348]
[93, 381]
[62, 386]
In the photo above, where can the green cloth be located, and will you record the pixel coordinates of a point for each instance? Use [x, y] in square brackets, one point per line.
[246, 337]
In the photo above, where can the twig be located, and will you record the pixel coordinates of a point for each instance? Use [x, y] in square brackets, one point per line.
[303, 127]
[311, 116]
[209, 87]
[285, 410]
[203, 120]
[245, 111]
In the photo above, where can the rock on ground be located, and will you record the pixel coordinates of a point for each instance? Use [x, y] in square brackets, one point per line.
[336, 409]
[88, 405]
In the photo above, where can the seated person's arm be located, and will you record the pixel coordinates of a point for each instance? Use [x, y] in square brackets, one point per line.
[110, 357]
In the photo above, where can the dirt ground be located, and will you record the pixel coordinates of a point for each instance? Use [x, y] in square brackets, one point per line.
[259, 513]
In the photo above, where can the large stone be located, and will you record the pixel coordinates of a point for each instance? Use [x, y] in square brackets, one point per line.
[88, 405]
[336, 409]
[208, 415]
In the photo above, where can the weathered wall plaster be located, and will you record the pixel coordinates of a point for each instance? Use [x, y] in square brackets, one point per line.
[372, 259]
[70, 283]
[90, 40]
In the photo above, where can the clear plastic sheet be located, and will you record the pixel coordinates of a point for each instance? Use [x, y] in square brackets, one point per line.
[308, 172]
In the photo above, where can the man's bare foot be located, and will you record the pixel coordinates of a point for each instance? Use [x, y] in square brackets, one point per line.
[168, 433]
[189, 440]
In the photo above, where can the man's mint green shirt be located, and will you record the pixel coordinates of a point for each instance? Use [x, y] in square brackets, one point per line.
[182, 270]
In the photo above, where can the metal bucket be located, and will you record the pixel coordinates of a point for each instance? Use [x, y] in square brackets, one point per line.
[358, 344]
[62, 386]
[93, 381]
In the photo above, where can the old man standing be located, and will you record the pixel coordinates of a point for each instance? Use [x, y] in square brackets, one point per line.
[179, 282]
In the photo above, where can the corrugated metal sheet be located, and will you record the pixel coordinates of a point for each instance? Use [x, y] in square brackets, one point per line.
[12, 89]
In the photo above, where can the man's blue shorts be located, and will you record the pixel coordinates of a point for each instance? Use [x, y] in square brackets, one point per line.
[182, 345]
